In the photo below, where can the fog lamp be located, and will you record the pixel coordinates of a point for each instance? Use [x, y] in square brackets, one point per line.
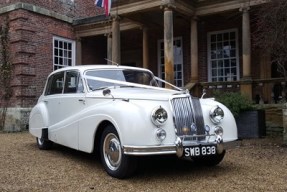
[160, 134]
[218, 130]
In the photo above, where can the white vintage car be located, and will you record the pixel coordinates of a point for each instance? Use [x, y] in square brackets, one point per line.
[122, 112]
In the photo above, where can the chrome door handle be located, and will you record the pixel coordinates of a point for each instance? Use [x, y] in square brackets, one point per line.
[82, 100]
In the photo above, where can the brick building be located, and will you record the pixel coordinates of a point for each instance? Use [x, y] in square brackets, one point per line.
[36, 30]
[193, 43]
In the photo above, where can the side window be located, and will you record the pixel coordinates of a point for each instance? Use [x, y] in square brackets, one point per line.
[73, 83]
[55, 84]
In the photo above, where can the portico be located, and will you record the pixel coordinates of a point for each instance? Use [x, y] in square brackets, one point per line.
[173, 38]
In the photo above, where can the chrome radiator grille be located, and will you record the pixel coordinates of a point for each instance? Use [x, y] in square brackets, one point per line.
[187, 112]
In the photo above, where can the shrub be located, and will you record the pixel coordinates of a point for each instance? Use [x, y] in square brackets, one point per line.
[234, 101]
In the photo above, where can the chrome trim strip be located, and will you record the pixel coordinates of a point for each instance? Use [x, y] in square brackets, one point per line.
[149, 150]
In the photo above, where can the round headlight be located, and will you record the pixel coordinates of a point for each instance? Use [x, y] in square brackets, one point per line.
[218, 130]
[216, 114]
[159, 116]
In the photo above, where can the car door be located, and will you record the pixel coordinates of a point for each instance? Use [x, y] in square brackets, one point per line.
[72, 104]
[52, 99]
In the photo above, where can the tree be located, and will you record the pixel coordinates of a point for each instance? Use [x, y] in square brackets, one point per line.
[271, 35]
[271, 32]
[5, 71]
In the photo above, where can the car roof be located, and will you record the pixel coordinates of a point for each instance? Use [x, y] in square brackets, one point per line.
[83, 68]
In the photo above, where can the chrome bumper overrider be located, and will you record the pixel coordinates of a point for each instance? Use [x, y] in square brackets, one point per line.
[177, 148]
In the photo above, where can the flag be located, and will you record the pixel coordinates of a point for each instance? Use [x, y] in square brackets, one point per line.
[106, 4]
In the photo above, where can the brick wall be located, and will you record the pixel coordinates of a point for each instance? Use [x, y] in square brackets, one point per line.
[74, 9]
[31, 38]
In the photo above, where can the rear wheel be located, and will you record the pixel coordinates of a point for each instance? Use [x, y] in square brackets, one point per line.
[212, 160]
[114, 161]
[44, 144]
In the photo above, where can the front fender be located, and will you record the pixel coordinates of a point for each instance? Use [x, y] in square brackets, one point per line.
[134, 122]
[228, 124]
[131, 119]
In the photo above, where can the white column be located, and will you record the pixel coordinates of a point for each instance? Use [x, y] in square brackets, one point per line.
[145, 48]
[116, 44]
[194, 50]
[168, 45]
[246, 85]
[109, 48]
[79, 52]
[246, 43]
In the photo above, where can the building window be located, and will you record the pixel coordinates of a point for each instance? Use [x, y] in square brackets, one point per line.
[64, 52]
[223, 64]
[178, 61]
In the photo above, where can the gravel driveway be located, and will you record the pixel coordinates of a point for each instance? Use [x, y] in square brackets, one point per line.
[252, 165]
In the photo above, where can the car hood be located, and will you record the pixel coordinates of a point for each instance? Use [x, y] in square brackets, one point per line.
[142, 93]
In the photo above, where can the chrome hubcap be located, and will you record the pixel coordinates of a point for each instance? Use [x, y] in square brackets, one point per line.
[112, 151]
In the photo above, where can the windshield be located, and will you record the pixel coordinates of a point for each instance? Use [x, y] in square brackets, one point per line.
[102, 78]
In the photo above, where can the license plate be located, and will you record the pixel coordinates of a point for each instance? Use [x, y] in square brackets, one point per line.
[202, 150]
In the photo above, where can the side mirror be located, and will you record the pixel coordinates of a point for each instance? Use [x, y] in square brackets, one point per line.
[106, 92]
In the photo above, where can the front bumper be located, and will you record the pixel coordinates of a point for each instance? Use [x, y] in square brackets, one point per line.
[176, 148]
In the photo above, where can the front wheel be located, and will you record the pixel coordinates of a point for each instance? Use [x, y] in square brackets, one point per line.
[212, 160]
[114, 161]
[44, 144]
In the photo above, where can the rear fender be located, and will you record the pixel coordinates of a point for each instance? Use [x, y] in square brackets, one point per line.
[38, 120]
